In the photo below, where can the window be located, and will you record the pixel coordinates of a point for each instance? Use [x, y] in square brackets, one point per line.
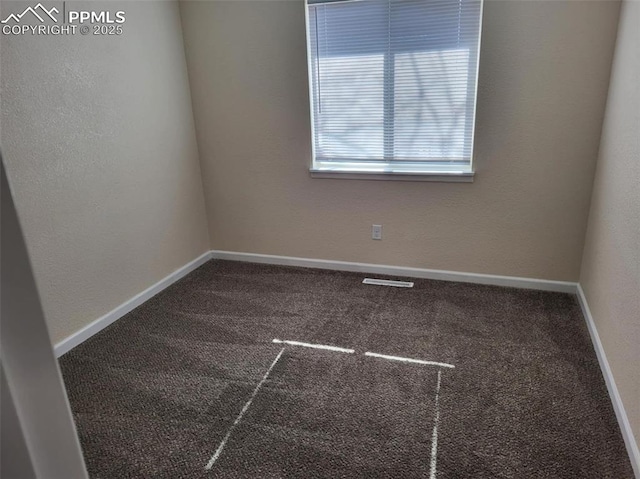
[393, 85]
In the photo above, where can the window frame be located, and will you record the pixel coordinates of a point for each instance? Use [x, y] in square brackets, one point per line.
[444, 170]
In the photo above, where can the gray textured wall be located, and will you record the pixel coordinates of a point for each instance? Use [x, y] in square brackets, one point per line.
[544, 72]
[610, 273]
[99, 142]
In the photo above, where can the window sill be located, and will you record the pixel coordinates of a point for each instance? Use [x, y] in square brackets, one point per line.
[342, 174]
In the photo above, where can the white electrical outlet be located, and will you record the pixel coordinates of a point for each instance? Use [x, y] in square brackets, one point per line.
[376, 232]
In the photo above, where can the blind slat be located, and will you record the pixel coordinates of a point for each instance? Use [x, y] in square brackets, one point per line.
[393, 80]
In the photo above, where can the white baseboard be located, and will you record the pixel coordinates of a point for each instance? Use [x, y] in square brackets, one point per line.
[618, 406]
[99, 324]
[490, 279]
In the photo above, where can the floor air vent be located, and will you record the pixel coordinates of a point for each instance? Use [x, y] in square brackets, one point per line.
[387, 282]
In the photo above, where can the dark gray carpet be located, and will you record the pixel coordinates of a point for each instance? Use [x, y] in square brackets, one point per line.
[156, 393]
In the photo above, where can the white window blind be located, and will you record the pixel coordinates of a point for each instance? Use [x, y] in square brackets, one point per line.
[393, 84]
